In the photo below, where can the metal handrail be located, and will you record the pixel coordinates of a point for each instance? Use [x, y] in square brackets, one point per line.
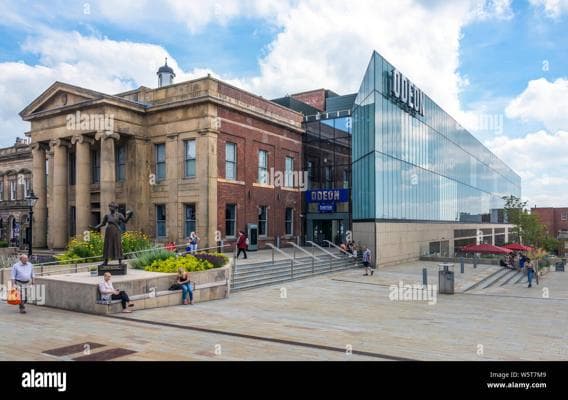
[339, 248]
[322, 249]
[278, 250]
[304, 250]
[137, 252]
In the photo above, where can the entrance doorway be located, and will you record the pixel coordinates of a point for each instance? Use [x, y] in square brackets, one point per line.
[323, 230]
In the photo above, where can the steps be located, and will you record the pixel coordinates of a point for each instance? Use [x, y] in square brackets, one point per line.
[262, 274]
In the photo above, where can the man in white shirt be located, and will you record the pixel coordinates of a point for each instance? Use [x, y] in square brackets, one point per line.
[22, 275]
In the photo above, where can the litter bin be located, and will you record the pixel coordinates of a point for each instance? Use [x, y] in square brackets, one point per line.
[446, 278]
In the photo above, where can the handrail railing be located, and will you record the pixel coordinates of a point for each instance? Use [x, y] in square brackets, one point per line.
[322, 249]
[99, 257]
[278, 250]
[304, 250]
[339, 248]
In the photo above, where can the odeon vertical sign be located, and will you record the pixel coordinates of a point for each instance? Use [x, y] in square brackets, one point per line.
[407, 93]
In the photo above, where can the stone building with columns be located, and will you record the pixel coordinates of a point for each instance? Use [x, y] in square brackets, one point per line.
[184, 157]
[15, 185]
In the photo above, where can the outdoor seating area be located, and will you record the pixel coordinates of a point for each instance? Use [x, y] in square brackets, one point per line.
[80, 291]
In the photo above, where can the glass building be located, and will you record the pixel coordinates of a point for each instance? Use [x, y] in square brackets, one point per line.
[413, 163]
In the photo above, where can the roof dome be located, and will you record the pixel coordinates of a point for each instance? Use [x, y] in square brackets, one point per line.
[166, 69]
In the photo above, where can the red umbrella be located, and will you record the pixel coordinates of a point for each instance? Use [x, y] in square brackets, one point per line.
[517, 247]
[485, 248]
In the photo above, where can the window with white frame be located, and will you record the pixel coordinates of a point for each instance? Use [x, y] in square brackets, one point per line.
[231, 220]
[160, 161]
[263, 221]
[263, 167]
[189, 157]
[230, 161]
[289, 173]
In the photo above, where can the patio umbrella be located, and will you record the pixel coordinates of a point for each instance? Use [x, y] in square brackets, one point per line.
[517, 247]
[485, 248]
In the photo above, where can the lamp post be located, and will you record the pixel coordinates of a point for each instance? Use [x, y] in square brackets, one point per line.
[31, 199]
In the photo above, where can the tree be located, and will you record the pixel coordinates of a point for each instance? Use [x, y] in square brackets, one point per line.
[527, 227]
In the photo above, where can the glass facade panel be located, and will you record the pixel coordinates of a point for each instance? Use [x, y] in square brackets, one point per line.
[408, 166]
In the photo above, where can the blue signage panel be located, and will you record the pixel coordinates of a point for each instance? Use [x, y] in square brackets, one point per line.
[326, 207]
[327, 196]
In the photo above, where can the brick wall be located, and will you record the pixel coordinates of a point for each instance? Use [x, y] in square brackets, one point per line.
[552, 218]
[252, 135]
[315, 98]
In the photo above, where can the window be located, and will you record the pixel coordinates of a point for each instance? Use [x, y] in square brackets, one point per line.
[345, 179]
[288, 175]
[27, 186]
[95, 167]
[161, 220]
[231, 161]
[72, 170]
[160, 161]
[121, 163]
[310, 168]
[2, 189]
[189, 157]
[231, 220]
[328, 177]
[263, 221]
[13, 189]
[564, 216]
[289, 221]
[190, 220]
[263, 167]
[72, 221]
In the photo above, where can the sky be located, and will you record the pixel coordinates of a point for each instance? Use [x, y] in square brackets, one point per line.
[500, 67]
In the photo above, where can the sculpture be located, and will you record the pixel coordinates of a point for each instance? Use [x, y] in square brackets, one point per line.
[112, 248]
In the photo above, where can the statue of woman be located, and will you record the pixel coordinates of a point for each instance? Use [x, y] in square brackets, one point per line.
[112, 248]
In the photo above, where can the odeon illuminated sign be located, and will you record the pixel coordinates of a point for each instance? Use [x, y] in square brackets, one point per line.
[406, 92]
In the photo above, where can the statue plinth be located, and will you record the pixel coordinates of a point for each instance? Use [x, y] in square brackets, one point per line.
[114, 269]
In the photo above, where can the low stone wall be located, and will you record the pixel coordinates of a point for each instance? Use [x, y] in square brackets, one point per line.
[79, 292]
[457, 260]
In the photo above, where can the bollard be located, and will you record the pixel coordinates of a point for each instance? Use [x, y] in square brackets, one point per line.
[424, 276]
[474, 262]
[462, 264]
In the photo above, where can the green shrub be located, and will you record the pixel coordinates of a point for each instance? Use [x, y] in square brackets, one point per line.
[146, 258]
[217, 259]
[4, 243]
[92, 248]
[188, 263]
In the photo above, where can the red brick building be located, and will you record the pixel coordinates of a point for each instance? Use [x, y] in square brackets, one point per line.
[555, 219]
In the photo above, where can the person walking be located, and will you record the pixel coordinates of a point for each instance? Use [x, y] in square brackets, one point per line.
[242, 244]
[22, 275]
[367, 261]
[530, 271]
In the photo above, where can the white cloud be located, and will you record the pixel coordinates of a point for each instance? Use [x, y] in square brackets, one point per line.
[542, 101]
[540, 159]
[552, 8]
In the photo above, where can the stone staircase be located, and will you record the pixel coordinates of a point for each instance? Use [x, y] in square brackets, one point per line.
[501, 278]
[267, 273]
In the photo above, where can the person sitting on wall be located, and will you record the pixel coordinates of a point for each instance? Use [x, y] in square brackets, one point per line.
[184, 282]
[503, 263]
[108, 292]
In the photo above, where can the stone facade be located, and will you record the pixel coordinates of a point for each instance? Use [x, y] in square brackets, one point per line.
[15, 184]
[158, 152]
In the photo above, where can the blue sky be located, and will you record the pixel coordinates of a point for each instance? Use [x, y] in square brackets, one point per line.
[473, 57]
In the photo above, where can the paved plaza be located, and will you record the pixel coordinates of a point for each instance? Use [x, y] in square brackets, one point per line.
[341, 316]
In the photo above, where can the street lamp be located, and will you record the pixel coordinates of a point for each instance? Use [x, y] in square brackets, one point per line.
[31, 201]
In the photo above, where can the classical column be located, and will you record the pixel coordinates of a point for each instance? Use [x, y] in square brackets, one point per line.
[83, 181]
[50, 221]
[39, 186]
[108, 171]
[172, 167]
[60, 228]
